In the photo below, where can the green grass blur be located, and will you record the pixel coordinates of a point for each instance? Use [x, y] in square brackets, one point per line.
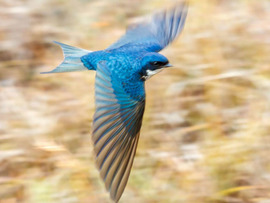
[206, 131]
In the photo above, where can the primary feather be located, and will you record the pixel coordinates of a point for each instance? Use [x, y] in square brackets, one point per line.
[117, 124]
[157, 32]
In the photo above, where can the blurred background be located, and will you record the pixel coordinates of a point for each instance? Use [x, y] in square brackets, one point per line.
[206, 130]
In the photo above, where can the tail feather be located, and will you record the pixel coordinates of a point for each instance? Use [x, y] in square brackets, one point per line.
[72, 59]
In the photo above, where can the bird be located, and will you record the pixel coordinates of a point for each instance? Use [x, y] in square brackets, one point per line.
[121, 72]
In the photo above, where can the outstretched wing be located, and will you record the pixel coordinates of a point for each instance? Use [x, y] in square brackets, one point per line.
[157, 33]
[117, 123]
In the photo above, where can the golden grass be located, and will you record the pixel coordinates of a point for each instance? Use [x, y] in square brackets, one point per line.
[205, 135]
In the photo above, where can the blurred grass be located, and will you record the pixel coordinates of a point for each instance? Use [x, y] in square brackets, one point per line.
[205, 134]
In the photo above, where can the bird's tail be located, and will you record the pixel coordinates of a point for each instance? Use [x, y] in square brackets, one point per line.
[72, 59]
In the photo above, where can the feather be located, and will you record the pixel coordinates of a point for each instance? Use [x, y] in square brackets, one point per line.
[117, 123]
[156, 33]
[72, 59]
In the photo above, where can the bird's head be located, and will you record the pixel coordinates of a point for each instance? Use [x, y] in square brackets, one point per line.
[152, 63]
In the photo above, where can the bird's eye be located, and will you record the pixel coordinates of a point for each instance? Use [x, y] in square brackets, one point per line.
[157, 63]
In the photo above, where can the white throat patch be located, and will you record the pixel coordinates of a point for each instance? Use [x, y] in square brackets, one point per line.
[150, 73]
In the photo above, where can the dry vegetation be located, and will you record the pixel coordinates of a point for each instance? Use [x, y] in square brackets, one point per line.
[205, 136]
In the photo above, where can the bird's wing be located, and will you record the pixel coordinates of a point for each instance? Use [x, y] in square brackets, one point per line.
[117, 123]
[157, 33]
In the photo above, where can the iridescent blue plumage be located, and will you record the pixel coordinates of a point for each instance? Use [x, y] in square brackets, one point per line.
[121, 71]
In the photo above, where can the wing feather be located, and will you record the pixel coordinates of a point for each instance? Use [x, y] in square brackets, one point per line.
[158, 32]
[117, 123]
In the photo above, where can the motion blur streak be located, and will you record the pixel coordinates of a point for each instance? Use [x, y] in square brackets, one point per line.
[206, 132]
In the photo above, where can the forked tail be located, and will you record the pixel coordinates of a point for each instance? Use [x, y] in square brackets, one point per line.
[72, 59]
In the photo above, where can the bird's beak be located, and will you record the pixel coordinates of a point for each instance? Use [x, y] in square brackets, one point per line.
[168, 65]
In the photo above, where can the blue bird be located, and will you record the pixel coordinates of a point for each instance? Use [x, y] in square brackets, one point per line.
[121, 72]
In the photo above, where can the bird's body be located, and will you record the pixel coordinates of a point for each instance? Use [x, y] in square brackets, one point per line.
[121, 72]
[129, 56]
[124, 64]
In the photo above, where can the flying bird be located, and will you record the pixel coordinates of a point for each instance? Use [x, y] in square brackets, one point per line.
[121, 72]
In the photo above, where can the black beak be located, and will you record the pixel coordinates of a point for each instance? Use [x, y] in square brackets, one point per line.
[168, 65]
